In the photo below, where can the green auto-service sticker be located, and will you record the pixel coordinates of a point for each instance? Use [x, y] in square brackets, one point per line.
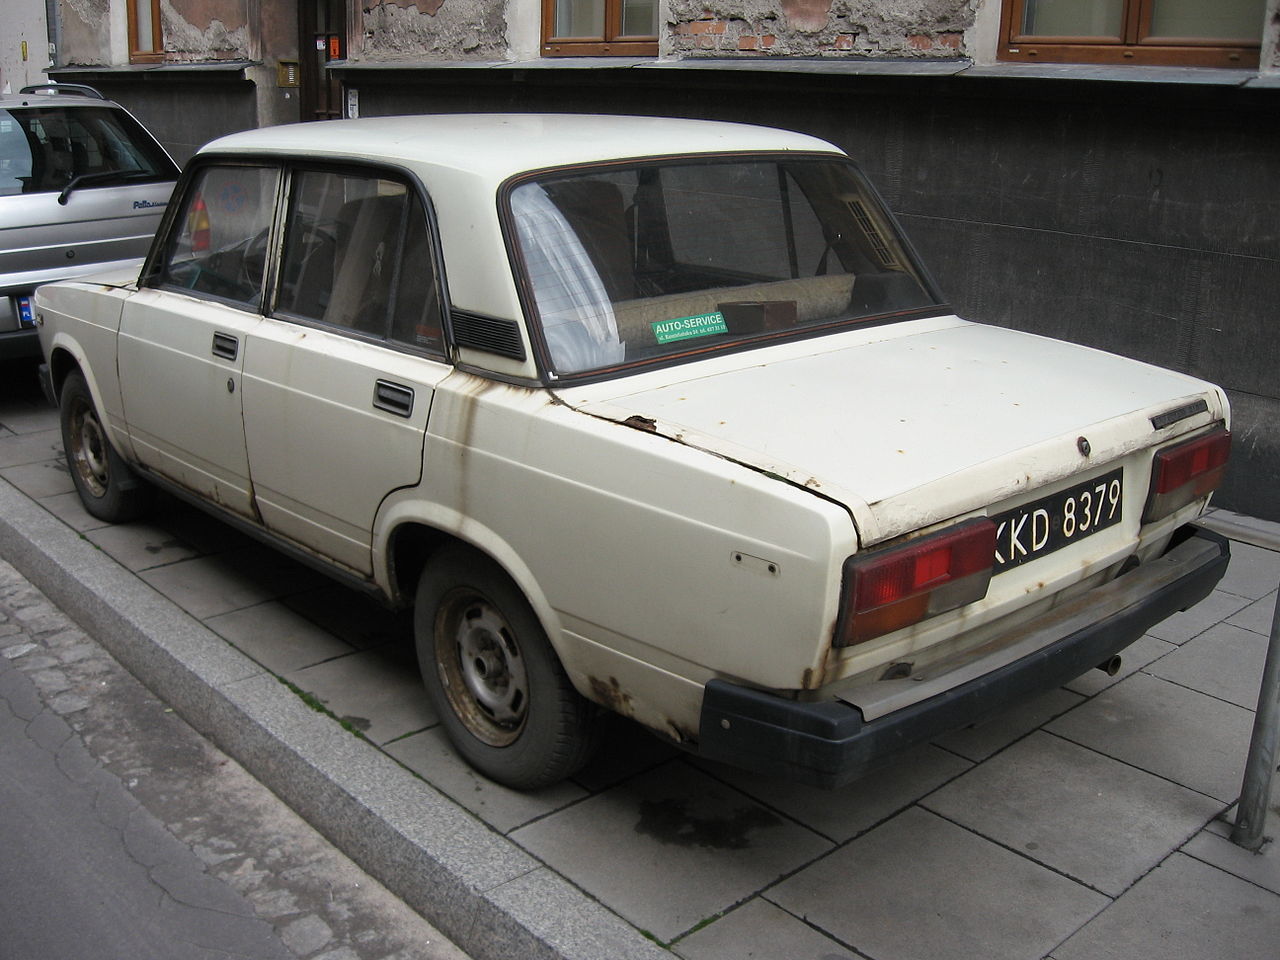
[686, 328]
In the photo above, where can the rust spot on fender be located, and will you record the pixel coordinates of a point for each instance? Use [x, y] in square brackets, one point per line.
[610, 694]
[648, 424]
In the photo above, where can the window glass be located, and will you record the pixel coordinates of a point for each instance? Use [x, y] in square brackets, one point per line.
[145, 30]
[1073, 18]
[579, 18]
[356, 255]
[1221, 20]
[640, 18]
[221, 235]
[42, 149]
[664, 260]
[145, 26]
[1224, 33]
[591, 28]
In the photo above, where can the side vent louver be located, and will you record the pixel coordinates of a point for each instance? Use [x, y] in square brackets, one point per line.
[874, 237]
[490, 334]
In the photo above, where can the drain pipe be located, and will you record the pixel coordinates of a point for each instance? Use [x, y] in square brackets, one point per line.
[1251, 814]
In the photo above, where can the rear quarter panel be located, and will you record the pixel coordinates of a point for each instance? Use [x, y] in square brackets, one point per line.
[654, 566]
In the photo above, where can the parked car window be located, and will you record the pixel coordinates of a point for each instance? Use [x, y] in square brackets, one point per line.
[662, 260]
[356, 255]
[220, 238]
[45, 149]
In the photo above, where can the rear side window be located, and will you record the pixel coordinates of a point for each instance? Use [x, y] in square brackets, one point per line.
[220, 238]
[356, 255]
[43, 149]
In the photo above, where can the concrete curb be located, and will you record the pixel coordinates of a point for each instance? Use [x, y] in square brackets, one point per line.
[485, 893]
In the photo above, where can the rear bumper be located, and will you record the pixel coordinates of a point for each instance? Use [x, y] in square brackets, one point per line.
[828, 744]
[18, 338]
[19, 345]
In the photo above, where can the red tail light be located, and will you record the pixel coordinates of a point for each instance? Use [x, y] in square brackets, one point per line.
[199, 227]
[891, 589]
[1186, 472]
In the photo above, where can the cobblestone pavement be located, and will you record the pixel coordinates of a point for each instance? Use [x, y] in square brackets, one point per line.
[234, 872]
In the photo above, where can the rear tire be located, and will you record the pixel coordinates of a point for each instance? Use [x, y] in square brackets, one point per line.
[108, 488]
[491, 674]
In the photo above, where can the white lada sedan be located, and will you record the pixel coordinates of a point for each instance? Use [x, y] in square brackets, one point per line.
[657, 416]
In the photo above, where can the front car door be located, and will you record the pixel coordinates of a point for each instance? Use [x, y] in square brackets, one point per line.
[338, 380]
[182, 336]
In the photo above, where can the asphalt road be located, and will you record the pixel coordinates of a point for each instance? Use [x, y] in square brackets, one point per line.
[87, 871]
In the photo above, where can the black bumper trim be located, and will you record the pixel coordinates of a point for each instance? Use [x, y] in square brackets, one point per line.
[827, 743]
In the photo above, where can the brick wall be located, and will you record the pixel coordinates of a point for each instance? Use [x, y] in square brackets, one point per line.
[821, 28]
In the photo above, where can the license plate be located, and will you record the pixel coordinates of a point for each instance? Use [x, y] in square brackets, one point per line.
[1037, 529]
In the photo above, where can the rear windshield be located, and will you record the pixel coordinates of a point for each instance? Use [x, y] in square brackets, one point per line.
[42, 149]
[652, 262]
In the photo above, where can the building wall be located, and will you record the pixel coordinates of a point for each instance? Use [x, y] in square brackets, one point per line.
[217, 74]
[24, 23]
[821, 28]
[433, 30]
[85, 29]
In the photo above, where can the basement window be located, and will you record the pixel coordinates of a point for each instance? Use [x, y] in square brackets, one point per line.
[595, 28]
[1192, 33]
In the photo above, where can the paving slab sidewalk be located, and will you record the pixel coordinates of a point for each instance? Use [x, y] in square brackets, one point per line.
[1091, 822]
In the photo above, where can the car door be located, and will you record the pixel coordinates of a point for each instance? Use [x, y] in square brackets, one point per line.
[338, 381]
[182, 336]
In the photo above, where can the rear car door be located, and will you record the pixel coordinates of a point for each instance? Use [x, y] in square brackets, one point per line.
[339, 379]
[182, 336]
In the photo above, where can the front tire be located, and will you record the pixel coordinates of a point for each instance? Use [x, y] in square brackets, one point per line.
[108, 488]
[491, 674]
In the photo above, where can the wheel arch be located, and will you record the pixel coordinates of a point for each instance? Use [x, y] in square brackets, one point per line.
[412, 542]
[63, 361]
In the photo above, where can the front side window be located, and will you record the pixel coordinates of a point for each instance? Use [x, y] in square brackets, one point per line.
[1185, 32]
[584, 28]
[356, 255]
[220, 238]
[655, 262]
[47, 149]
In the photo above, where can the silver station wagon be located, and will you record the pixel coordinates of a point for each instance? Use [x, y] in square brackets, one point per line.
[82, 188]
[657, 416]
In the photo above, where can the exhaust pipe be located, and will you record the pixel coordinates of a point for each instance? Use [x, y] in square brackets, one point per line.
[1110, 666]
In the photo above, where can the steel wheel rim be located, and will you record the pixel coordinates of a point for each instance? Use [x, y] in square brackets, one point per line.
[482, 668]
[89, 449]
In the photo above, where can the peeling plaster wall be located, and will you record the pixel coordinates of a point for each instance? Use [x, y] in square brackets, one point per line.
[24, 22]
[1271, 39]
[86, 32]
[198, 30]
[434, 30]
[808, 28]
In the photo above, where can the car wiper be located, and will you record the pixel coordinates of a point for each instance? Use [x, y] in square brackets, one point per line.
[81, 179]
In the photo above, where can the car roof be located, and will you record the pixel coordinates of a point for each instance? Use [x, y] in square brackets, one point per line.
[16, 101]
[497, 146]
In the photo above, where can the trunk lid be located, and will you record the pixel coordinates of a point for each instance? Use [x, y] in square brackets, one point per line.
[912, 423]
